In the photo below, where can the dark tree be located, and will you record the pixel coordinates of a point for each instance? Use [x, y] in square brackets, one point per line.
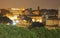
[5, 20]
[35, 24]
[4, 11]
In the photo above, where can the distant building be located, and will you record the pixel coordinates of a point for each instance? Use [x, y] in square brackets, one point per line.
[53, 21]
[36, 12]
[52, 18]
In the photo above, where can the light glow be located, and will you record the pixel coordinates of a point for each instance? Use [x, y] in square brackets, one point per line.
[33, 20]
[17, 21]
[15, 9]
[14, 22]
[39, 20]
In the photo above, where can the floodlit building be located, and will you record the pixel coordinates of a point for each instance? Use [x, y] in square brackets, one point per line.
[36, 12]
[36, 19]
[16, 11]
[52, 21]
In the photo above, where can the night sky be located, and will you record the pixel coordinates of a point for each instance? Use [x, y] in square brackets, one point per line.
[54, 4]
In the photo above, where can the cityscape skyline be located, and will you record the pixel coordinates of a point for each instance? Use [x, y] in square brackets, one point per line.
[44, 4]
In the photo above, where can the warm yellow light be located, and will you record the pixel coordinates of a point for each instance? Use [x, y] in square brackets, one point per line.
[33, 20]
[24, 20]
[8, 23]
[22, 9]
[37, 20]
[15, 9]
[36, 12]
[17, 21]
[15, 17]
[40, 20]
[12, 17]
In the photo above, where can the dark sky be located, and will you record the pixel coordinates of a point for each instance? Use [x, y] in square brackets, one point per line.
[30, 3]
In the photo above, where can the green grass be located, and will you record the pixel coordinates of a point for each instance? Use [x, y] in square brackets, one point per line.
[19, 32]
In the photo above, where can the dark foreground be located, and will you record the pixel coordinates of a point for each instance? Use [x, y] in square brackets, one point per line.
[19, 32]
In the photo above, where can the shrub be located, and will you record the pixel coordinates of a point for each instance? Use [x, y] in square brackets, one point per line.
[35, 24]
[15, 32]
[19, 32]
